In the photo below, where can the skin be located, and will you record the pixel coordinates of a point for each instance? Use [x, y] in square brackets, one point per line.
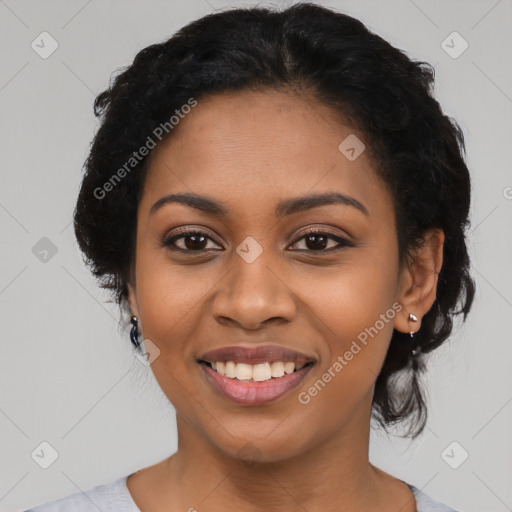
[249, 150]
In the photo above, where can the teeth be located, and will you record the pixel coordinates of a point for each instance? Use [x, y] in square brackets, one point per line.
[289, 367]
[221, 368]
[277, 369]
[257, 372]
[261, 372]
[230, 369]
[243, 371]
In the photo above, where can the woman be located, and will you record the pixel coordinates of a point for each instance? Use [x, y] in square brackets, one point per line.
[279, 205]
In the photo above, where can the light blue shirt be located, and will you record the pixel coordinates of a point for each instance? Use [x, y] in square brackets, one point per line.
[115, 497]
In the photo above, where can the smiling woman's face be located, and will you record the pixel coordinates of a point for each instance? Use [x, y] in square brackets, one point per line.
[256, 278]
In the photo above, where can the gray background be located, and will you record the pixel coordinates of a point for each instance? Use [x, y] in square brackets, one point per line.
[67, 375]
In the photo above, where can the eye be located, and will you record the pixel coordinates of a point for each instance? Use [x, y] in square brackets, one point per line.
[317, 241]
[197, 241]
[190, 241]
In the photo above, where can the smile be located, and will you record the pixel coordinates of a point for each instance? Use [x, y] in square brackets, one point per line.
[255, 375]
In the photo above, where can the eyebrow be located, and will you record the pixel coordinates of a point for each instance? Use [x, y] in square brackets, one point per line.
[285, 207]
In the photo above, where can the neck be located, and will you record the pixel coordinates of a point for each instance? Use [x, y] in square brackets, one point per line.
[336, 470]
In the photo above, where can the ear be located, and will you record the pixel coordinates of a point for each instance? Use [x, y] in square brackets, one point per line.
[132, 300]
[418, 280]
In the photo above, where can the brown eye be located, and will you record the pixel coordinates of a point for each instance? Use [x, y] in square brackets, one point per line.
[318, 241]
[190, 241]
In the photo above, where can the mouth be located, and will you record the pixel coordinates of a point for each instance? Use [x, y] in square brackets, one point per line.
[255, 375]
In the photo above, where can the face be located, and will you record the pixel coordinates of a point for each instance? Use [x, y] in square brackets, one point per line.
[265, 279]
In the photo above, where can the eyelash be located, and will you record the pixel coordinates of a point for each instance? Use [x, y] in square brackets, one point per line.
[343, 242]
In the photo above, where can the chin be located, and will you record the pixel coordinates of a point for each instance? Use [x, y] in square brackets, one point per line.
[256, 449]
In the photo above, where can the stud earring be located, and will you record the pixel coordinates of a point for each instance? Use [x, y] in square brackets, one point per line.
[134, 334]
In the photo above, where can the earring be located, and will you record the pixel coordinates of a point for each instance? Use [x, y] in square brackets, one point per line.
[134, 335]
[415, 349]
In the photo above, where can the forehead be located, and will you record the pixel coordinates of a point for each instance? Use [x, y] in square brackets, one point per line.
[249, 147]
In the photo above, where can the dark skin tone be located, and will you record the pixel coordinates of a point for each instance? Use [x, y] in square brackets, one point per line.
[248, 151]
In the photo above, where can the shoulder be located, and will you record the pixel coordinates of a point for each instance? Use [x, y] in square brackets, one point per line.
[425, 503]
[111, 497]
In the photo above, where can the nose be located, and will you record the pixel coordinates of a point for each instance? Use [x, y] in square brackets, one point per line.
[253, 294]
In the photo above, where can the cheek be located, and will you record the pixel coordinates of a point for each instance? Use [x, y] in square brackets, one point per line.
[169, 297]
[355, 305]
[169, 300]
[353, 297]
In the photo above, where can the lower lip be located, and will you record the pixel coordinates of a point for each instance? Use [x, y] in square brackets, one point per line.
[254, 393]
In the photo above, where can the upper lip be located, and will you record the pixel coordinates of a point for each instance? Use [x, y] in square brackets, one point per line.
[256, 354]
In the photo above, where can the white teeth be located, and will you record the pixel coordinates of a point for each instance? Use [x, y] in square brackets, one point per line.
[230, 369]
[289, 367]
[261, 372]
[257, 372]
[277, 369]
[243, 371]
[221, 368]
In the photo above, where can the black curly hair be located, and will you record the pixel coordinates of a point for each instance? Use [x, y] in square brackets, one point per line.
[375, 87]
